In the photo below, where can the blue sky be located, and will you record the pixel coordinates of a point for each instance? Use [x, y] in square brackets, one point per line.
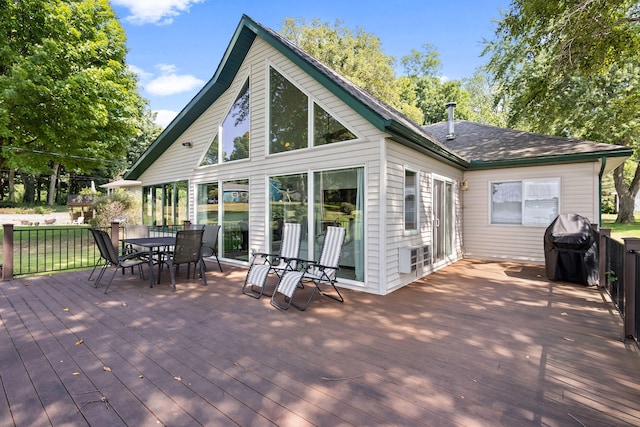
[175, 46]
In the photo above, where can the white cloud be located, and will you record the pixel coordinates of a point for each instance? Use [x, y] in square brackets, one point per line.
[171, 84]
[142, 74]
[159, 12]
[164, 117]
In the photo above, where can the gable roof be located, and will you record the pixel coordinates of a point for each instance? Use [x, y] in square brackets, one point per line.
[379, 114]
[488, 147]
[475, 147]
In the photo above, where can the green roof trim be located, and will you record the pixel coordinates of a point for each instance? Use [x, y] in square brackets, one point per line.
[549, 160]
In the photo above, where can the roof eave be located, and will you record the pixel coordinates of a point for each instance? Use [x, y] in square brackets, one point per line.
[549, 160]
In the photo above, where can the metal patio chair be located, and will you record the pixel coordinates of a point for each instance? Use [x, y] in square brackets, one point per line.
[187, 250]
[113, 259]
[209, 242]
[320, 273]
[256, 279]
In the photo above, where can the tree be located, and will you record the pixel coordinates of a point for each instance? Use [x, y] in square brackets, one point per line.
[572, 69]
[484, 108]
[357, 56]
[67, 98]
[422, 88]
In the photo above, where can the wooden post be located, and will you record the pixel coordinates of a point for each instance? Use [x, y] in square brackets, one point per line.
[631, 252]
[7, 252]
[602, 256]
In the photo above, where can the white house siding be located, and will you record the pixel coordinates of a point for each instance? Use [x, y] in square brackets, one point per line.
[400, 157]
[179, 163]
[578, 194]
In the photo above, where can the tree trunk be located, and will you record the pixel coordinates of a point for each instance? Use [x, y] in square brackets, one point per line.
[12, 185]
[29, 183]
[52, 184]
[626, 194]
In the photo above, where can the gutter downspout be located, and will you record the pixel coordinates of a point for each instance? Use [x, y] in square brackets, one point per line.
[602, 166]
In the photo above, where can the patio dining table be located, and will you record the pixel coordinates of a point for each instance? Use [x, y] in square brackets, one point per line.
[150, 243]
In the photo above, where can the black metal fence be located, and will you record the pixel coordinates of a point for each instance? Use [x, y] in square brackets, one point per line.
[38, 250]
[620, 276]
[614, 271]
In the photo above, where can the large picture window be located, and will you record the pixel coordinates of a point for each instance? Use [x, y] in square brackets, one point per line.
[290, 127]
[288, 115]
[235, 219]
[208, 202]
[525, 202]
[316, 201]
[165, 205]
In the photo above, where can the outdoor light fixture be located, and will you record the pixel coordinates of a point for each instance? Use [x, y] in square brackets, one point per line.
[187, 144]
[464, 185]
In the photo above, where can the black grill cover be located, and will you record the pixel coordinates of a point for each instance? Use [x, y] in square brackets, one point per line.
[571, 250]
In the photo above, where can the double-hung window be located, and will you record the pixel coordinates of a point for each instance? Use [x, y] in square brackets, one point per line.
[525, 202]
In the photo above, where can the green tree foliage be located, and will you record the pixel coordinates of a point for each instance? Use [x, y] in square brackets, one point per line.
[483, 106]
[357, 56]
[67, 98]
[140, 141]
[573, 69]
[422, 88]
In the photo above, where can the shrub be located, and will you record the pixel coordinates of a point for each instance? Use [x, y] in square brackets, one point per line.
[120, 205]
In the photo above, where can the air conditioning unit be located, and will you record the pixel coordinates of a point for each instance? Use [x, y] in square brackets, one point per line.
[413, 257]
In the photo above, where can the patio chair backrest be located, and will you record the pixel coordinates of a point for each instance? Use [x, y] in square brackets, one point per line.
[331, 250]
[110, 250]
[99, 243]
[290, 247]
[188, 246]
[290, 240]
[210, 236]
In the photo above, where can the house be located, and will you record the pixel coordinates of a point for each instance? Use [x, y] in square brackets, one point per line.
[309, 146]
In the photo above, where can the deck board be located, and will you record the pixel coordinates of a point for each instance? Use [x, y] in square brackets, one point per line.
[474, 344]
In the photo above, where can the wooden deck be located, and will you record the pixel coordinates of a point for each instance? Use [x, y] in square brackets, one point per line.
[476, 344]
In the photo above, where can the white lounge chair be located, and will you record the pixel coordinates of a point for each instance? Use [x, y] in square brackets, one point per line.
[256, 279]
[320, 273]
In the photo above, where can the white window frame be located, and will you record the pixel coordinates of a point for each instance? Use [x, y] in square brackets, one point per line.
[525, 211]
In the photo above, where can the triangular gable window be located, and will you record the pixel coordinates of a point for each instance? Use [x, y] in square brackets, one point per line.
[327, 129]
[211, 157]
[233, 135]
[235, 128]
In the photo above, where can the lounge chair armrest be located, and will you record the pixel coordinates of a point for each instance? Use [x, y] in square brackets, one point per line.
[321, 267]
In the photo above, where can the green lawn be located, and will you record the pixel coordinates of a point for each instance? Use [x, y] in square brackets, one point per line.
[618, 231]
